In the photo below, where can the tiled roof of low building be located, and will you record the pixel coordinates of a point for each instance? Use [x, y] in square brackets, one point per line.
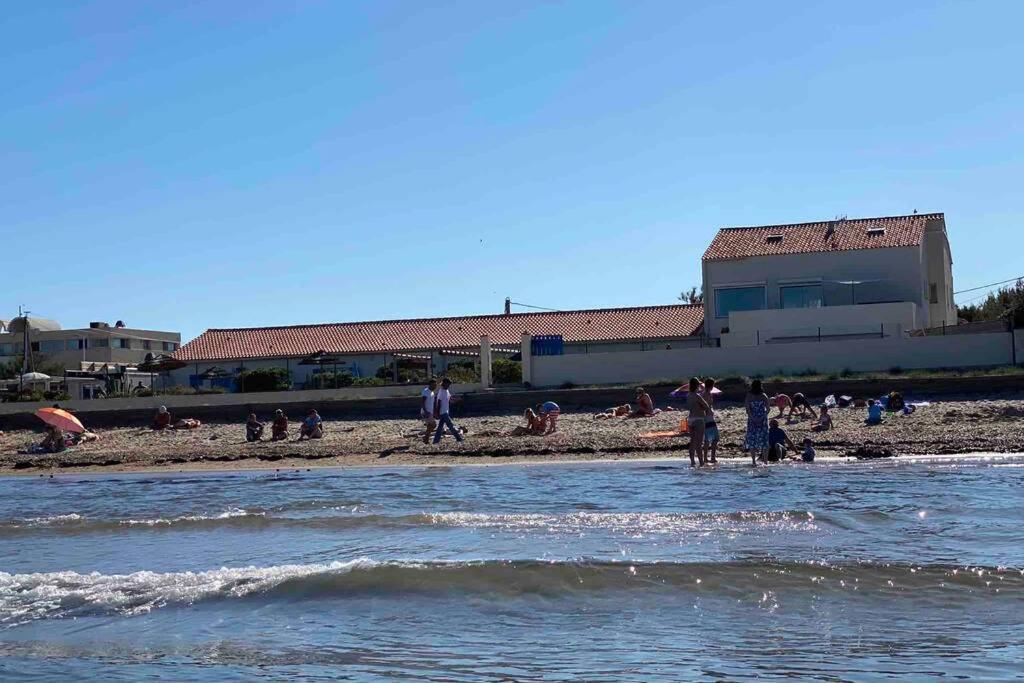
[824, 236]
[389, 336]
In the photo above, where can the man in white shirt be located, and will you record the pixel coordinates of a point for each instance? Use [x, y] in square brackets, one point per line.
[427, 409]
[442, 400]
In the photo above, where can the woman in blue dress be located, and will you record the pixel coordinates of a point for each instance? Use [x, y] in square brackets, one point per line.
[757, 406]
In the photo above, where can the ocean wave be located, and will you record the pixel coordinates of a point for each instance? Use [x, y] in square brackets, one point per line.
[48, 595]
[632, 523]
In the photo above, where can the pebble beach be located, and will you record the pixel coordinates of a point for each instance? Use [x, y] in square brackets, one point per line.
[943, 427]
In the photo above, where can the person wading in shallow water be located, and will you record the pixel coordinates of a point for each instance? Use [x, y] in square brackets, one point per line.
[699, 410]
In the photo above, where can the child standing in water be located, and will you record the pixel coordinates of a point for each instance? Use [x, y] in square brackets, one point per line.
[711, 434]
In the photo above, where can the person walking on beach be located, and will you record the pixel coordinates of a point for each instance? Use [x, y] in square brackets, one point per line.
[427, 409]
[756, 404]
[442, 407]
[699, 410]
[711, 434]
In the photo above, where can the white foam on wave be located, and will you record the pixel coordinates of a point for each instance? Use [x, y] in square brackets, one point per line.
[161, 521]
[26, 597]
[53, 520]
[630, 522]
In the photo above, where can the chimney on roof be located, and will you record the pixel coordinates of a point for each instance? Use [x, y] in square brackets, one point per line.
[508, 306]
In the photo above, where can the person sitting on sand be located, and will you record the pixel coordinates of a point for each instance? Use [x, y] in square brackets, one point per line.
[312, 427]
[279, 427]
[618, 411]
[54, 441]
[874, 412]
[549, 412]
[824, 421]
[253, 429]
[534, 425]
[777, 442]
[162, 420]
[808, 454]
[644, 404]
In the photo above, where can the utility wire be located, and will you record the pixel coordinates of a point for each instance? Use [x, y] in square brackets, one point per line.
[539, 308]
[974, 289]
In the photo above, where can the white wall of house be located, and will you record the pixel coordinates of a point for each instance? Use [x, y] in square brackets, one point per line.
[632, 367]
[899, 273]
[750, 328]
[939, 273]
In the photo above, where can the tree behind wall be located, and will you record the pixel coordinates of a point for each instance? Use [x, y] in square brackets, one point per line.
[264, 379]
[998, 305]
[692, 296]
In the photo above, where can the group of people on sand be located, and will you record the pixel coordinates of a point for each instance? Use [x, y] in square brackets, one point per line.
[644, 408]
[163, 420]
[435, 411]
[311, 427]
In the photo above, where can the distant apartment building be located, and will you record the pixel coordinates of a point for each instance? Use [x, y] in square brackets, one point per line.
[84, 349]
[843, 278]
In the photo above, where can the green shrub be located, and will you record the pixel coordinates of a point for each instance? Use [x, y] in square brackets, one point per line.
[368, 382]
[463, 372]
[35, 395]
[57, 396]
[330, 380]
[504, 371]
[264, 379]
[176, 390]
[567, 385]
[847, 372]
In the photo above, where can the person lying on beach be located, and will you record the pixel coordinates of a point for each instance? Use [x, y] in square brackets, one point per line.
[253, 429]
[279, 427]
[83, 437]
[874, 412]
[312, 427]
[549, 413]
[187, 423]
[618, 411]
[162, 419]
[824, 421]
[54, 441]
[777, 442]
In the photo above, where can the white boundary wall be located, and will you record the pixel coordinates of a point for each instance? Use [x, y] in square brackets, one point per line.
[631, 367]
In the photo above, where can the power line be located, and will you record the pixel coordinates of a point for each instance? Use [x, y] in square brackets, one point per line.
[539, 308]
[974, 289]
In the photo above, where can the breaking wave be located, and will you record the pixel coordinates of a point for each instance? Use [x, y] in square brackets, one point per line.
[49, 595]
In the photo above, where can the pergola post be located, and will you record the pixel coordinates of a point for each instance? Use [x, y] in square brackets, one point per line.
[485, 362]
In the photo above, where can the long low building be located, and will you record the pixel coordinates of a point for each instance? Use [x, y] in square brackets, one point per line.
[363, 348]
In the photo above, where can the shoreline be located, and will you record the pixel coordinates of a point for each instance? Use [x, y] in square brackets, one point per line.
[954, 427]
[209, 467]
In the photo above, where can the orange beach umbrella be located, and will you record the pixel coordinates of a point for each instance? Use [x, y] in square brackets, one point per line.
[61, 419]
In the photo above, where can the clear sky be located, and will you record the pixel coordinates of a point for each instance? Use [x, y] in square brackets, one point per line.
[184, 165]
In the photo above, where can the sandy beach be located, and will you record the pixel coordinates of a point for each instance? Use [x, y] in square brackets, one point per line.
[948, 426]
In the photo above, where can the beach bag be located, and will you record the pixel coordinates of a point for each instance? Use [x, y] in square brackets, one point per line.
[830, 401]
[845, 401]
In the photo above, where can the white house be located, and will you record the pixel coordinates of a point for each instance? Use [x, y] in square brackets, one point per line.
[842, 278]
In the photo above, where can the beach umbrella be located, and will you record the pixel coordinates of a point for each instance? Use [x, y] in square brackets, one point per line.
[685, 389]
[214, 373]
[61, 419]
[35, 377]
[322, 358]
[159, 365]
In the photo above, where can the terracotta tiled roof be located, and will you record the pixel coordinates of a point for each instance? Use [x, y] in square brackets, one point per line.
[389, 336]
[803, 238]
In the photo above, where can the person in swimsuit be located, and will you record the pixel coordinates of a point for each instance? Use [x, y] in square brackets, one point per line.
[711, 434]
[756, 404]
[778, 440]
[549, 412]
[800, 401]
[782, 402]
[824, 422]
[644, 404]
[699, 410]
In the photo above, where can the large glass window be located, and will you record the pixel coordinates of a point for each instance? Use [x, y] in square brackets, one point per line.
[6, 349]
[51, 346]
[738, 299]
[801, 296]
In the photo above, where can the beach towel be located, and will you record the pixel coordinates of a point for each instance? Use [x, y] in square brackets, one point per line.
[661, 435]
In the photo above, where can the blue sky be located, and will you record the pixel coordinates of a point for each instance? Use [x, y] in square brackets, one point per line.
[191, 165]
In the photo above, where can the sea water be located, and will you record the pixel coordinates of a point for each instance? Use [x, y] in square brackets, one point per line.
[643, 571]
